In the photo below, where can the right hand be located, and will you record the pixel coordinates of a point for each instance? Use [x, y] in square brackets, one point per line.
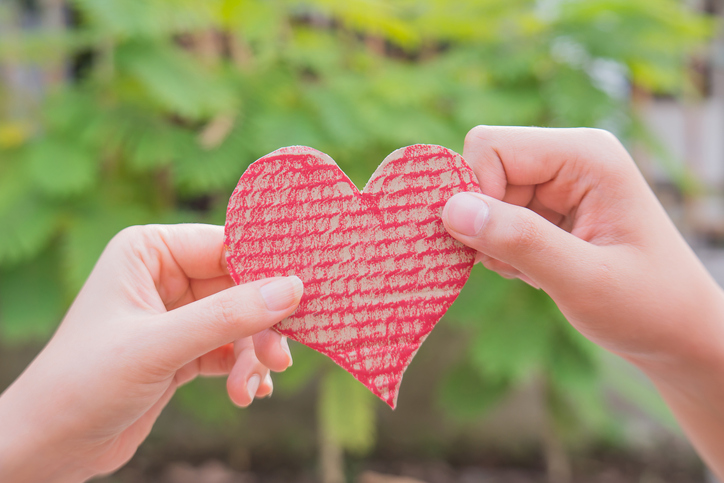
[568, 211]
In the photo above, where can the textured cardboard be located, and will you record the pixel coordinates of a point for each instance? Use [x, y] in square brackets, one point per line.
[378, 267]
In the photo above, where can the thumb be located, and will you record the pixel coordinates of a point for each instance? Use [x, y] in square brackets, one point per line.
[195, 329]
[547, 254]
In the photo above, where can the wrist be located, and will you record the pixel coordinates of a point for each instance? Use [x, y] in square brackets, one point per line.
[691, 381]
[692, 357]
[31, 447]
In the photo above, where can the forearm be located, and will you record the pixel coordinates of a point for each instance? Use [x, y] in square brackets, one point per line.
[692, 382]
[29, 451]
[619, 270]
[701, 420]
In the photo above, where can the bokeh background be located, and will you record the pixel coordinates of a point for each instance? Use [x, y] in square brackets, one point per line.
[120, 112]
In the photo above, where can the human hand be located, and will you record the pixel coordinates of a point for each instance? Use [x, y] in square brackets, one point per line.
[158, 310]
[567, 210]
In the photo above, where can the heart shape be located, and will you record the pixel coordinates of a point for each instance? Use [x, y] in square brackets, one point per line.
[379, 269]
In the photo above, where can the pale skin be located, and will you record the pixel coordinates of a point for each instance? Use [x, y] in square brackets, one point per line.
[158, 310]
[565, 210]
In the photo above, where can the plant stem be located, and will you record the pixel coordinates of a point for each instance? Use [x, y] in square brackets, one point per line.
[558, 464]
[331, 453]
[331, 458]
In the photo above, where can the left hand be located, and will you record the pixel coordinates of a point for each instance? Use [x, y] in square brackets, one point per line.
[158, 310]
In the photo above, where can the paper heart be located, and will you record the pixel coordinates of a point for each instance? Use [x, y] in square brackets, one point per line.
[378, 267]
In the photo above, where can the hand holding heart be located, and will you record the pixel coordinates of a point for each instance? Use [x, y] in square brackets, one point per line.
[568, 211]
[158, 310]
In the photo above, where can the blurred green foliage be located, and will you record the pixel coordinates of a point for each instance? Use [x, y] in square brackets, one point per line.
[517, 334]
[161, 104]
[345, 411]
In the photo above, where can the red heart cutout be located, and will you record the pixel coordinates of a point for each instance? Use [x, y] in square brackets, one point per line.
[379, 269]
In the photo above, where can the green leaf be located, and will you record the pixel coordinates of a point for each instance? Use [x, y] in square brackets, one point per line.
[207, 400]
[480, 298]
[505, 106]
[337, 117]
[31, 302]
[27, 227]
[60, 167]
[151, 148]
[372, 17]
[197, 170]
[274, 128]
[347, 411]
[147, 18]
[629, 382]
[255, 21]
[172, 79]
[465, 394]
[87, 235]
[307, 363]
[516, 336]
[572, 359]
[71, 115]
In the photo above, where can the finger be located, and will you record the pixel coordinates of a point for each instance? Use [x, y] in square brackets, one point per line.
[267, 386]
[186, 333]
[499, 267]
[200, 288]
[508, 276]
[272, 349]
[527, 280]
[196, 249]
[188, 252]
[560, 159]
[218, 362]
[519, 195]
[549, 256]
[244, 345]
[247, 376]
[550, 215]
[169, 256]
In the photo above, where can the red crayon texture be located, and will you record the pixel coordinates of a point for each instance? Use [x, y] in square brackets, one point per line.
[378, 267]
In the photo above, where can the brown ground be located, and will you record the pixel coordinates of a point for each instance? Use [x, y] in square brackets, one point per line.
[609, 469]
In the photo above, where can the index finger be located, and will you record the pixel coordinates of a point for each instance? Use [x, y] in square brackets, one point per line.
[197, 249]
[188, 255]
[502, 156]
[170, 257]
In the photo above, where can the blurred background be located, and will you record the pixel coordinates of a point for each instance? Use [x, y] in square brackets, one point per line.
[120, 112]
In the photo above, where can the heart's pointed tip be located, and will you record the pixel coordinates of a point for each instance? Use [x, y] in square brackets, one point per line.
[392, 400]
[388, 397]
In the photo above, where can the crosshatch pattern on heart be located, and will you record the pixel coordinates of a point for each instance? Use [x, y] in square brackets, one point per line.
[379, 269]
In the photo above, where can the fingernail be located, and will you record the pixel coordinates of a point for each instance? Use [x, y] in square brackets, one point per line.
[466, 214]
[285, 347]
[283, 293]
[268, 382]
[252, 385]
